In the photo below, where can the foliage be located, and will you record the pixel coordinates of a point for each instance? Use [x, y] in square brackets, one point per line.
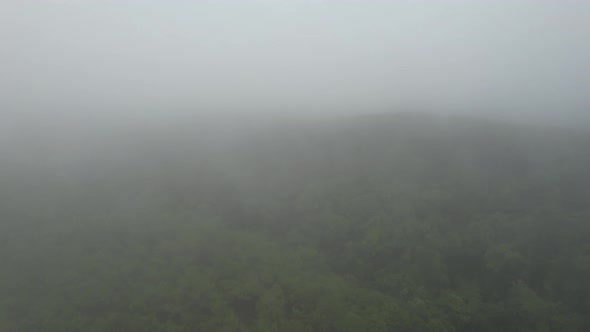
[389, 224]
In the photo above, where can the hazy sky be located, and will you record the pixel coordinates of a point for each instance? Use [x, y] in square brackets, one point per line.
[293, 55]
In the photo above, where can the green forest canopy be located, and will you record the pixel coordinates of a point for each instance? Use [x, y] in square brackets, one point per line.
[375, 223]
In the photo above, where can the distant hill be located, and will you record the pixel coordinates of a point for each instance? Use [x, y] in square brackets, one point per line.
[391, 222]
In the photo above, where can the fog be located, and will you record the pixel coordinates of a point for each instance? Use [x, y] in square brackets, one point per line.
[294, 165]
[138, 60]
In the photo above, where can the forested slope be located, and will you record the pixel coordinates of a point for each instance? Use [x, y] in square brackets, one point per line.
[378, 223]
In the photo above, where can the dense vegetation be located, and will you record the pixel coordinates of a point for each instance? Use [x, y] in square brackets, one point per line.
[383, 223]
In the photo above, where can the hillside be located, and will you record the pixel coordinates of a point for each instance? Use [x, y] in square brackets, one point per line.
[405, 222]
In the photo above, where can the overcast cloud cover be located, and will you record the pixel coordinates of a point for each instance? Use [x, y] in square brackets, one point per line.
[157, 57]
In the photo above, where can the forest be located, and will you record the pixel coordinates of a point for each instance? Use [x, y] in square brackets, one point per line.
[394, 222]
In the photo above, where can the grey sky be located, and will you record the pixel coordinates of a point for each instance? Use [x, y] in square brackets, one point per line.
[153, 56]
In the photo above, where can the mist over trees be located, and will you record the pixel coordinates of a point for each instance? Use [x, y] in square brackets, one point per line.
[294, 165]
[408, 222]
